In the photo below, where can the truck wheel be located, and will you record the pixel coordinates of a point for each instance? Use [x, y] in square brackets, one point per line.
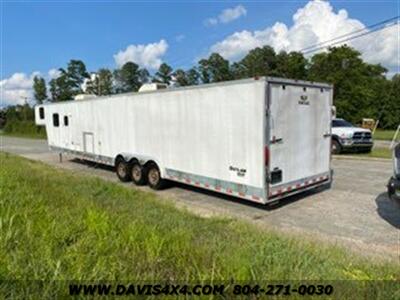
[138, 174]
[122, 169]
[154, 179]
[336, 148]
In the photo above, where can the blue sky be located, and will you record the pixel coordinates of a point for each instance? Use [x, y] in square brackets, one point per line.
[38, 36]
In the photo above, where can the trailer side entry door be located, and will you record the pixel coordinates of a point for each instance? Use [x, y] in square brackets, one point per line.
[300, 127]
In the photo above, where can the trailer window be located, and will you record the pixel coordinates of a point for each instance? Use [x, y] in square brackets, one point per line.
[56, 120]
[66, 121]
[41, 113]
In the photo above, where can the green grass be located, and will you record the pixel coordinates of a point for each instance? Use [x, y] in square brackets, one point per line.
[57, 225]
[375, 153]
[41, 135]
[379, 153]
[381, 134]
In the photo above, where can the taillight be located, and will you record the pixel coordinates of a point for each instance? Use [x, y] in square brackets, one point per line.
[266, 155]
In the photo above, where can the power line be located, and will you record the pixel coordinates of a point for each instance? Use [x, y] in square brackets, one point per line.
[349, 38]
[350, 33]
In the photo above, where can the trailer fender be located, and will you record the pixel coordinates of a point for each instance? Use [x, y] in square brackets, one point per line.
[142, 159]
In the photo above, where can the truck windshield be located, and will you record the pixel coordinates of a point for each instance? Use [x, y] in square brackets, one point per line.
[341, 123]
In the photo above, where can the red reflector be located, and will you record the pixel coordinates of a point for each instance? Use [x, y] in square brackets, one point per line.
[266, 155]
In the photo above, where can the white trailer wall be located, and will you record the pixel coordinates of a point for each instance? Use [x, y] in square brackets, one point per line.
[301, 121]
[211, 131]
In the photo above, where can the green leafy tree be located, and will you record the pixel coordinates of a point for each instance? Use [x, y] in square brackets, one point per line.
[92, 84]
[164, 74]
[291, 65]
[204, 72]
[258, 62]
[70, 81]
[2, 118]
[76, 75]
[128, 78]
[144, 76]
[181, 77]
[19, 119]
[39, 89]
[60, 89]
[101, 83]
[192, 76]
[389, 112]
[239, 71]
[358, 86]
[214, 69]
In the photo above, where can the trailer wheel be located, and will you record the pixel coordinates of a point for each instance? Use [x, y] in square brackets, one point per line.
[336, 148]
[138, 174]
[122, 168]
[154, 179]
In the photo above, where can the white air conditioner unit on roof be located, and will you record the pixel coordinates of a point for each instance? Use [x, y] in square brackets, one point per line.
[154, 86]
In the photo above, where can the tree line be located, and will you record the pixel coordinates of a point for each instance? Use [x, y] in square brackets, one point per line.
[361, 89]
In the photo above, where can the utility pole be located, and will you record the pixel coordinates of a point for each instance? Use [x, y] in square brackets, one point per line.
[24, 112]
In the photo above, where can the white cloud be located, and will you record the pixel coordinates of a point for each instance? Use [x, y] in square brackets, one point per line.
[180, 37]
[314, 23]
[231, 14]
[53, 73]
[381, 47]
[148, 56]
[211, 22]
[17, 89]
[227, 15]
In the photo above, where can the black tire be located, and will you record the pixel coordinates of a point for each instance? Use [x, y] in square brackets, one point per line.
[153, 177]
[336, 148]
[138, 174]
[122, 168]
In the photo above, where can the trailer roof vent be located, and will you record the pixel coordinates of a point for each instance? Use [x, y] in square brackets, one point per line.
[84, 96]
[152, 87]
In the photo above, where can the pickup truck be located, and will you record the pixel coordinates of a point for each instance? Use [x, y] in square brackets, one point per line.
[347, 137]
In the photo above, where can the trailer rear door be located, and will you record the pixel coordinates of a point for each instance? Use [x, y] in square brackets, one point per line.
[300, 128]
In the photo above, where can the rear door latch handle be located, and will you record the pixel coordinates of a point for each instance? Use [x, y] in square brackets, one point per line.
[276, 141]
[327, 135]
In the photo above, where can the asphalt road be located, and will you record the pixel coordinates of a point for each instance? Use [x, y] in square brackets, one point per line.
[356, 213]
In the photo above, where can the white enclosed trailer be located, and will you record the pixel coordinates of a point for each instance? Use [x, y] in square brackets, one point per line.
[258, 139]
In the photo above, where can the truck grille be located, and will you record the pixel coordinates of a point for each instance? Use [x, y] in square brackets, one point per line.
[362, 136]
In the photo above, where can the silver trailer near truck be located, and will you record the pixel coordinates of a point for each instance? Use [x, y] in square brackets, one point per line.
[259, 139]
[394, 182]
